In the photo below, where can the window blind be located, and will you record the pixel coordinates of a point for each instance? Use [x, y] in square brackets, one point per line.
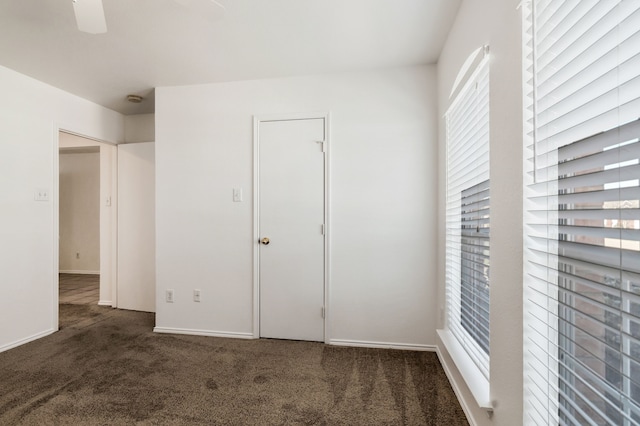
[474, 263]
[468, 221]
[582, 208]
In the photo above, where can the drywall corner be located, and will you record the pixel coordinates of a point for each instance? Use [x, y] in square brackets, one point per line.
[139, 128]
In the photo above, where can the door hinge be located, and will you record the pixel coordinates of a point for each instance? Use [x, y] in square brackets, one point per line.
[322, 228]
[323, 312]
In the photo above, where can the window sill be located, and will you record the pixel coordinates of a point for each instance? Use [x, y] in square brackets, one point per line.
[471, 374]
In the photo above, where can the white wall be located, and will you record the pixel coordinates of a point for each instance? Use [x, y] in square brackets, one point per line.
[139, 128]
[498, 24]
[30, 114]
[383, 197]
[136, 227]
[79, 212]
[108, 223]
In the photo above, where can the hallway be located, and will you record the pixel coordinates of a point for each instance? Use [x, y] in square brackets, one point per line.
[79, 289]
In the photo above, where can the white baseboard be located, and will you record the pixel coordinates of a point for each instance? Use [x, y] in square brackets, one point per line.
[464, 403]
[382, 345]
[195, 332]
[79, 271]
[105, 303]
[26, 340]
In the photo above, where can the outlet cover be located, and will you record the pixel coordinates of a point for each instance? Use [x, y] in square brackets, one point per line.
[41, 194]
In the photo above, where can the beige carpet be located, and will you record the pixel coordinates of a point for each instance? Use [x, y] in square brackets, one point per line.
[106, 367]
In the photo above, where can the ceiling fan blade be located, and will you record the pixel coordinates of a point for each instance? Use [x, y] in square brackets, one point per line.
[90, 16]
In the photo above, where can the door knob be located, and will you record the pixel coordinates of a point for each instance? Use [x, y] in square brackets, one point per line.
[265, 241]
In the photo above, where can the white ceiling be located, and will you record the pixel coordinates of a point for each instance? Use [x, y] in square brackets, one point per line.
[152, 43]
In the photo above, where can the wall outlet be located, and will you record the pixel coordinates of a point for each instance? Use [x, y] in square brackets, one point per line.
[196, 295]
[169, 295]
[41, 194]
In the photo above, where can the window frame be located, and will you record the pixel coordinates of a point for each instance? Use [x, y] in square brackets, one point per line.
[471, 360]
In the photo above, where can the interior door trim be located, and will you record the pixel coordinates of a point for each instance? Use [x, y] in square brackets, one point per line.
[263, 118]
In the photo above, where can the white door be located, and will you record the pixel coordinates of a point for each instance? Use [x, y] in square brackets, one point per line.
[136, 227]
[291, 218]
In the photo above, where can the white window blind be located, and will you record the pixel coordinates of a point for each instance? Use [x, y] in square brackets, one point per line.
[468, 223]
[474, 263]
[582, 208]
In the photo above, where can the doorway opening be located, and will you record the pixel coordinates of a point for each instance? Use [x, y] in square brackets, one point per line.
[84, 222]
[79, 218]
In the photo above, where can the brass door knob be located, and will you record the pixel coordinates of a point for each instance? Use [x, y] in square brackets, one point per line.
[265, 241]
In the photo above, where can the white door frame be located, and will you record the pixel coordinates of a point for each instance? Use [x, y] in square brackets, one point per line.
[55, 205]
[257, 119]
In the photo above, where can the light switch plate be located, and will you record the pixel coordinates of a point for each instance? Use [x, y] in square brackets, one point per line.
[237, 195]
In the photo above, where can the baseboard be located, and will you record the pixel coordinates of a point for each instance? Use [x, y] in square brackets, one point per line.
[456, 388]
[78, 271]
[382, 345]
[105, 303]
[26, 340]
[196, 332]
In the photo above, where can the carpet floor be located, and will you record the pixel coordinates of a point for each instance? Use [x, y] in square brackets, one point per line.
[107, 367]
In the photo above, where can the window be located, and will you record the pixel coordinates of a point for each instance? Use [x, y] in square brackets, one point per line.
[474, 261]
[582, 207]
[468, 230]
